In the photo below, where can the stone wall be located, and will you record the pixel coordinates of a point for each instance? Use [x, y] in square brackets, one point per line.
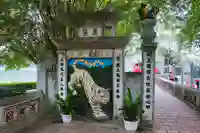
[18, 112]
[133, 81]
[46, 78]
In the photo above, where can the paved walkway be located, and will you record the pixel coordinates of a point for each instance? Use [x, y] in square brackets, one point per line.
[172, 116]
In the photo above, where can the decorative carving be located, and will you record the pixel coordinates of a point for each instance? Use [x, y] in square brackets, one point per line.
[33, 106]
[19, 110]
[96, 95]
[22, 111]
[9, 115]
[148, 18]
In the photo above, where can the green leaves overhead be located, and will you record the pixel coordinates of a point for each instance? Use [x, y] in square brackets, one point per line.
[27, 27]
[192, 29]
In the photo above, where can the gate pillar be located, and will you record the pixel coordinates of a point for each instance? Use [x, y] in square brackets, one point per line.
[118, 89]
[62, 74]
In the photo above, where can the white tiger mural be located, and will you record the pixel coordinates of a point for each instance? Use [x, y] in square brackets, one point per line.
[95, 94]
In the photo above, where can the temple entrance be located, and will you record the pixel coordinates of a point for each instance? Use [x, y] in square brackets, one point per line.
[92, 80]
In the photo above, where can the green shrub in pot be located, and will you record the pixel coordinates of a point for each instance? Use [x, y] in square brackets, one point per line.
[131, 111]
[66, 107]
[131, 107]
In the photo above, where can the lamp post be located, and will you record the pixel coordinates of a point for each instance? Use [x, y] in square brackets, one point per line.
[148, 48]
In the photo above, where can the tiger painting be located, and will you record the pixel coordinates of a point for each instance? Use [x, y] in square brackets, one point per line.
[96, 95]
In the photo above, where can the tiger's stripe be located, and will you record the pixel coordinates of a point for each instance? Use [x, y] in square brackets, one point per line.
[92, 90]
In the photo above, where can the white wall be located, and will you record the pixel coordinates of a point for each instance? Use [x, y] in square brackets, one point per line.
[46, 78]
[131, 59]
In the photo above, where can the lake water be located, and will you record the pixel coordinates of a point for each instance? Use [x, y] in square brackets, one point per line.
[24, 75]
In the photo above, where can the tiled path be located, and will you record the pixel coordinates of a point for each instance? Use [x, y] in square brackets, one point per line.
[172, 116]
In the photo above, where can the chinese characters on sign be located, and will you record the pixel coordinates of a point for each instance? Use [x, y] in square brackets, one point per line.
[118, 81]
[148, 81]
[117, 76]
[90, 32]
[61, 76]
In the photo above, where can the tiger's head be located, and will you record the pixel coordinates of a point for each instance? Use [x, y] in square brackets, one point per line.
[101, 95]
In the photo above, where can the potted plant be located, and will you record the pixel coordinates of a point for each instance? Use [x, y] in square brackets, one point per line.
[65, 107]
[131, 111]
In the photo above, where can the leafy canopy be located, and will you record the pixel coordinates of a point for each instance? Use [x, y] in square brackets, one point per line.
[27, 28]
[192, 28]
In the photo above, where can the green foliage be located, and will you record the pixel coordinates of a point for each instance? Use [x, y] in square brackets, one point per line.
[131, 108]
[28, 28]
[191, 30]
[12, 92]
[21, 34]
[67, 105]
[29, 85]
[16, 61]
[81, 102]
[15, 89]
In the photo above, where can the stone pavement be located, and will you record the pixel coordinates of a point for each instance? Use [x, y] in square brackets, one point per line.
[76, 127]
[172, 116]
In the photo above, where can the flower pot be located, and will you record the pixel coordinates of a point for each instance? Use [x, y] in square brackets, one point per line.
[66, 118]
[131, 125]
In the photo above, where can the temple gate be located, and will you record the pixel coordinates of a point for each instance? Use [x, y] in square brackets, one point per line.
[82, 60]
